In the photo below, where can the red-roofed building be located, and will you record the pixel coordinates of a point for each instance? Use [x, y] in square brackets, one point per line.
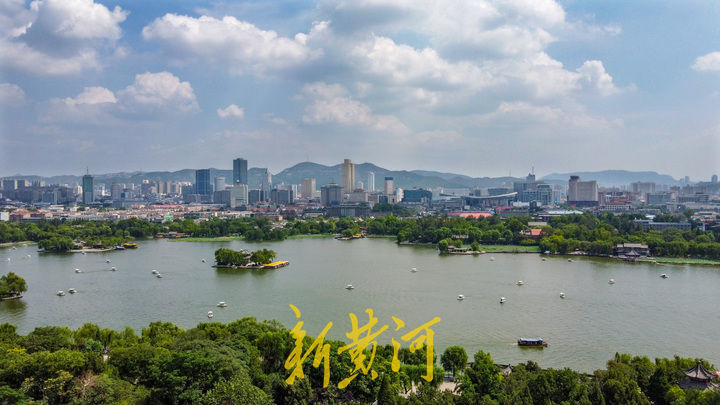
[461, 214]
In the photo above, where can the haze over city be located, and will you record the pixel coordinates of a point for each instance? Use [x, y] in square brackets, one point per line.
[480, 88]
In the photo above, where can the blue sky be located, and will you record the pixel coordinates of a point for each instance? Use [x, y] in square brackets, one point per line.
[481, 87]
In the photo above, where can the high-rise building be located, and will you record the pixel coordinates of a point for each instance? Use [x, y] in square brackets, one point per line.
[282, 196]
[331, 194]
[389, 186]
[116, 191]
[240, 171]
[643, 187]
[266, 185]
[582, 193]
[87, 189]
[714, 178]
[308, 188]
[202, 183]
[220, 183]
[348, 176]
[371, 182]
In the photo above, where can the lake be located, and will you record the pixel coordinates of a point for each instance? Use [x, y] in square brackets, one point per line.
[641, 314]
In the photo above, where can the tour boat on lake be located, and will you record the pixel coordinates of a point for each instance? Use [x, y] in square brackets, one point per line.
[531, 342]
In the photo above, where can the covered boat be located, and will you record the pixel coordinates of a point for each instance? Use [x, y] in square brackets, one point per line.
[532, 342]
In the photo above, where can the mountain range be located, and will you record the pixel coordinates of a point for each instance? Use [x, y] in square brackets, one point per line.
[332, 174]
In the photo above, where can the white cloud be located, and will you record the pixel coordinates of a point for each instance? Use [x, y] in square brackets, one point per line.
[58, 37]
[594, 76]
[235, 45]
[523, 114]
[11, 94]
[709, 62]
[159, 91]
[331, 104]
[231, 111]
[92, 95]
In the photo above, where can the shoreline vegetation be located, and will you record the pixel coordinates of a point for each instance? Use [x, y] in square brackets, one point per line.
[244, 362]
[578, 234]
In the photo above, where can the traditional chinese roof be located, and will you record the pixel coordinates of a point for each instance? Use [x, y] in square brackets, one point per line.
[699, 373]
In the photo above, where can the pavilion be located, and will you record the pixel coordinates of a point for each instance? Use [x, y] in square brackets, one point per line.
[699, 378]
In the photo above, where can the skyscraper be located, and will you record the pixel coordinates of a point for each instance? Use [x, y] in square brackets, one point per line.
[87, 189]
[220, 183]
[266, 185]
[348, 176]
[202, 182]
[389, 186]
[371, 182]
[308, 188]
[240, 171]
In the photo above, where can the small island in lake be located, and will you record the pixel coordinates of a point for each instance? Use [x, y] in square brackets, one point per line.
[244, 259]
[11, 287]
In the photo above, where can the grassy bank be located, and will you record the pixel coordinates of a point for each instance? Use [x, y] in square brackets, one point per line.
[509, 249]
[680, 260]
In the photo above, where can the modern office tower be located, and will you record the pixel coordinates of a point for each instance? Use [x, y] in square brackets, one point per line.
[348, 176]
[582, 193]
[266, 184]
[643, 187]
[116, 191]
[202, 183]
[371, 182]
[389, 186]
[308, 188]
[256, 196]
[331, 194]
[220, 183]
[399, 194]
[238, 195]
[87, 189]
[240, 171]
[282, 196]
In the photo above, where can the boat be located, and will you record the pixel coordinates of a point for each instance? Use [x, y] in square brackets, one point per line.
[203, 260]
[562, 295]
[83, 253]
[78, 271]
[158, 275]
[107, 261]
[531, 342]
[520, 282]
[664, 275]
[413, 270]
[547, 252]
[502, 300]
[154, 271]
[460, 297]
[14, 248]
[611, 281]
[570, 260]
[210, 314]
[28, 256]
[130, 245]
[72, 290]
[113, 269]
[544, 259]
[60, 293]
[119, 247]
[492, 259]
[349, 287]
[222, 304]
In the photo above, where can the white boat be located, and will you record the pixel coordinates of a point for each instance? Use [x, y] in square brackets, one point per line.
[664, 275]
[413, 270]
[611, 281]
[460, 297]
[520, 282]
[502, 300]
[113, 269]
[72, 290]
[78, 271]
[14, 248]
[222, 304]
[210, 314]
[83, 252]
[158, 275]
[60, 293]
[562, 295]
[349, 287]
[570, 260]
[544, 259]
[8, 259]
[107, 261]
[203, 260]
[154, 271]
[28, 256]
[492, 259]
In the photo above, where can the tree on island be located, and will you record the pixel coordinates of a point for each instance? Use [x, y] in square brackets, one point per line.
[12, 285]
[262, 256]
[454, 359]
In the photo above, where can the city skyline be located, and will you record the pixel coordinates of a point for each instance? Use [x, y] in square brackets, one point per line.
[484, 89]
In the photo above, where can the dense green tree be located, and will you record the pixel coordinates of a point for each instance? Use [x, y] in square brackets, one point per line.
[454, 359]
[12, 285]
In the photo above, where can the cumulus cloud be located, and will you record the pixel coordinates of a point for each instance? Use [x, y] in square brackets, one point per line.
[159, 91]
[523, 114]
[235, 45]
[231, 111]
[709, 62]
[593, 74]
[150, 95]
[332, 104]
[11, 94]
[58, 37]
